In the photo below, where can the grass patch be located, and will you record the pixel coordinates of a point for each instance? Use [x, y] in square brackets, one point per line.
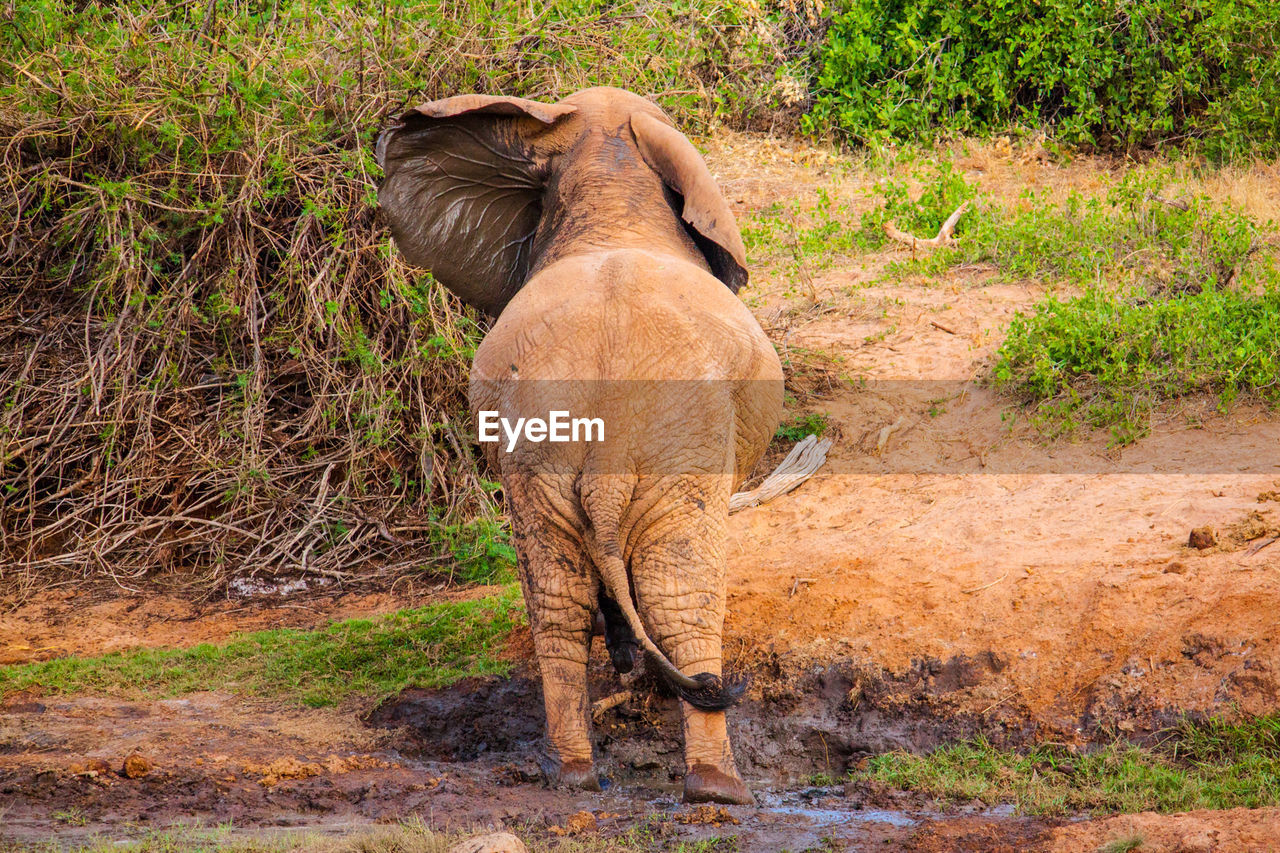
[1122, 845]
[799, 234]
[802, 425]
[431, 646]
[1212, 765]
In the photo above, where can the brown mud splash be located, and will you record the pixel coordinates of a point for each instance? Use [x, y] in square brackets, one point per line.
[457, 758]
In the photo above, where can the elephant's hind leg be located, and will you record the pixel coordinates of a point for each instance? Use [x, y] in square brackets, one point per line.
[559, 593]
[622, 645]
[679, 580]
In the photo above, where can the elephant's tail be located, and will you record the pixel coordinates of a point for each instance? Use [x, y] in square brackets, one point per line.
[703, 691]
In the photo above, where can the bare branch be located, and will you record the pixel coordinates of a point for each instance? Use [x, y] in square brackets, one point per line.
[1174, 203]
[944, 237]
[801, 463]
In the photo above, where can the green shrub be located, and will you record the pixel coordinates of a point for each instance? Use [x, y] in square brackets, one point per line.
[1128, 73]
[480, 550]
[1106, 361]
[945, 189]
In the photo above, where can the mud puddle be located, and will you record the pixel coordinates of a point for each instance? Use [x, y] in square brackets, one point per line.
[466, 758]
[457, 758]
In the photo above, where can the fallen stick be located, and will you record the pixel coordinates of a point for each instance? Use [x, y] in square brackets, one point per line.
[1174, 203]
[795, 587]
[883, 440]
[600, 706]
[801, 463]
[943, 238]
[1253, 549]
[985, 586]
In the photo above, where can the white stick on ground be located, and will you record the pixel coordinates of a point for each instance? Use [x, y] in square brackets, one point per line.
[944, 237]
[801, 463]
[600, 706]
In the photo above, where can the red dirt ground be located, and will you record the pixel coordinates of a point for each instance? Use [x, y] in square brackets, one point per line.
[1065, 564]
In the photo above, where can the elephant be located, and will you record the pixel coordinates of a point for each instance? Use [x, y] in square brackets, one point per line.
[594, 233]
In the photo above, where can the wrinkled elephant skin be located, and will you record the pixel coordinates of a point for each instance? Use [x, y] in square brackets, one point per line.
[594, 233]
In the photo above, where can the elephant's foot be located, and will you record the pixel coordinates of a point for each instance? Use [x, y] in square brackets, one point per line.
[577, 774]
[706, 784]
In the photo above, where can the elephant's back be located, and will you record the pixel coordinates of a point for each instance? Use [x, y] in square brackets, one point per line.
[627, 315]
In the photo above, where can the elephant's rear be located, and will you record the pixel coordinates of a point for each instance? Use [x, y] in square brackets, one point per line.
[596, 232]
[689, 391]
[673, 362]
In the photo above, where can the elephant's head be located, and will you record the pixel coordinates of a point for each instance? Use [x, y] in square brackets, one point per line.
[484, 190]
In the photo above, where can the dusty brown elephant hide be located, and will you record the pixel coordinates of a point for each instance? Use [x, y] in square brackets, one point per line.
[593, 231]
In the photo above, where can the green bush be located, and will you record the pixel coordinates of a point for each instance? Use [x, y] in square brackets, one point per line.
[803, 425]
[1105, 361]
[1174, 302]
[1125, 73]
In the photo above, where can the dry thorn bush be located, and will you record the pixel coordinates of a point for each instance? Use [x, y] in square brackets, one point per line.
[211, 361]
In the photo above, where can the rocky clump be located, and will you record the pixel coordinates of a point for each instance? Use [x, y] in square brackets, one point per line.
[136, 766]
[1202, 538]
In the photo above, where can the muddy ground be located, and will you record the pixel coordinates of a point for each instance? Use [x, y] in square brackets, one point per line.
[960, 576]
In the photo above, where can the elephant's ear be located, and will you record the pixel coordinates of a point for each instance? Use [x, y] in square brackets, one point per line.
[463, 190]
[706, 213]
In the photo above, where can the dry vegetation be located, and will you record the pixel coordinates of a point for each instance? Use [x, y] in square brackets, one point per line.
[211, 361]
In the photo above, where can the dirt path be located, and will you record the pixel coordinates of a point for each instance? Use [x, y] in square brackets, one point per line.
[959, 577]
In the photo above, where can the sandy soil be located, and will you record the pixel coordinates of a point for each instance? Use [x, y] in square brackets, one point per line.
[960, 575]
[966, 534]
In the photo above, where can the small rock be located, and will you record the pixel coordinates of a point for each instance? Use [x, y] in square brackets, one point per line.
[706, 816]
[1175, 567]
[136, 766]
[494, 842]
[575, 824]
[1202, 537]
